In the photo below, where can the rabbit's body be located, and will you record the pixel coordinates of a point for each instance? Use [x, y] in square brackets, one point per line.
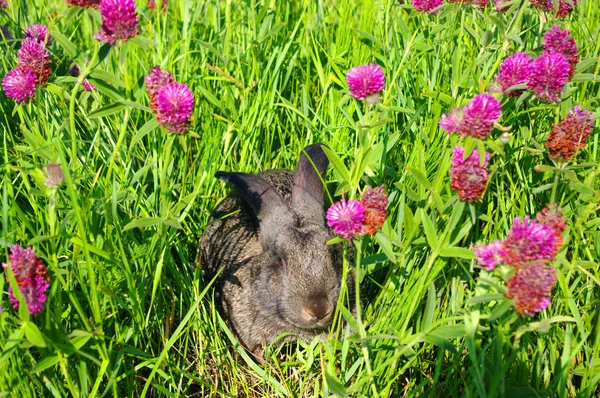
[268, 239]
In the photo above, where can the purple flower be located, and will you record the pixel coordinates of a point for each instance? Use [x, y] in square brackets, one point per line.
[427, 5]
[155, 80]
[560, 41]
[491, 255]
[374, 201]
[467, 176]
[175, 104]
[366, 82]
[19, 84]
[475, 119]
[5, 32]
[530, 288]
[34, 56]
[569, 136]
[514, 70]
[87, 86]
[38, 33]
[529, 241]
[119, 21]
[548, 76]
[346, 218]
[31, 276]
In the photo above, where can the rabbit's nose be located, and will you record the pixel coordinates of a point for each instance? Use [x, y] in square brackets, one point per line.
[317, 307]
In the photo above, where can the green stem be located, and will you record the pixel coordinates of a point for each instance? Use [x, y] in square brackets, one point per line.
[555, 187]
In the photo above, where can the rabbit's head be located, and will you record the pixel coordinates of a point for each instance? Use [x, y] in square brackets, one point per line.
[298, 276]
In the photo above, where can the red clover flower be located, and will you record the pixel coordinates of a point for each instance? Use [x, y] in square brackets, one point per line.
[119, 21]
[155, 80]
[3, 5]
[38, 33]
[427, 5]
[467, 176]
[560, 41]
[31, 276]
[569, 136]
[34, 56]
[175, 104]
[152, 5]
[475, 119]
[366, 82]
[530, 288]
[87, 86]
[19, 85]
[374, 201]
[54, 175]
[548, 76]
[346, 218]
[514, 70]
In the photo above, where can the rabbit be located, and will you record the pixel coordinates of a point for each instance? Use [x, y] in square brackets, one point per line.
[269, 240]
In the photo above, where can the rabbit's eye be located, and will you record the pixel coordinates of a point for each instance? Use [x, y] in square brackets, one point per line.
[280, 263]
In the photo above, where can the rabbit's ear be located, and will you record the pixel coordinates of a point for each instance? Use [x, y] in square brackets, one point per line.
[268, 206]
[307, 194]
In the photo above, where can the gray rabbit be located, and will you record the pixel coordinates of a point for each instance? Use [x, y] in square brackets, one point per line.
[269, 238]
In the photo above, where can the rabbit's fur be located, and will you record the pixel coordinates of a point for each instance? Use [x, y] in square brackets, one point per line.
[269, 238]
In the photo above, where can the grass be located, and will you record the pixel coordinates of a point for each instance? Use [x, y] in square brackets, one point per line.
[128, 314]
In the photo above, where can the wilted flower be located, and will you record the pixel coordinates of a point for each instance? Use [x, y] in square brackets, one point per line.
[38, 33]
[481, 3]
[152, 4]
[565, 7]
[529, 241]
[548, 76]
[5, 33]
[34, 56]
[175, 104]
[119, 21]
[514, 70]
[374, 201]
[542, 4]
[427, 5]
[475, 119]
[87, 86]
[552, 217]
[31, 276]
[84, 3]
[155, 80]
[54, 175]
[366, 82]
[346, 218]
[530, 288]
[560, 41]
[468, 177]
[491, 255]
[19, 84]
[501, 5]
[569, 136]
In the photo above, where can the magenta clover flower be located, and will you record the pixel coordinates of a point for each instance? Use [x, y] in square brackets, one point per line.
[34, 56]
[3, 5]
[31, 276]
[119, 21]
[366, 82]
[427, 5]
[346, 218]
[560, 41]
[548, 76]
[514, 70]
[175, 104]
[19, 85]
[475, 119]
[155, 80]
[38, 33]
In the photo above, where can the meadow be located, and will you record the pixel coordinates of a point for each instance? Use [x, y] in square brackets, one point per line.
[129, 313]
